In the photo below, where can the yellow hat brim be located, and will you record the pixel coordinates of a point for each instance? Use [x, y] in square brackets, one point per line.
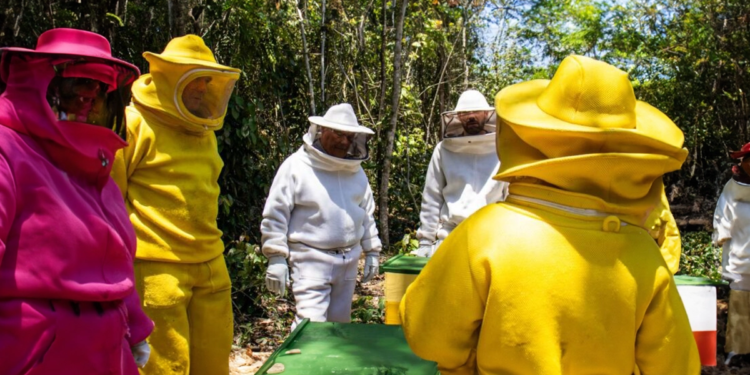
[188, 61]
[653, 133]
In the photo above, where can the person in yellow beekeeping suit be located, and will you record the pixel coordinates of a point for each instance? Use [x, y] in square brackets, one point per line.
[168, 175]
[563, 277]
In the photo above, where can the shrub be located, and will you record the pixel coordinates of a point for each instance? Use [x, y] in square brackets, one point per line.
[699, 256]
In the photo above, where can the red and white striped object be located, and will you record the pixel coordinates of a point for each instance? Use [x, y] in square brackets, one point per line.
[700, 303]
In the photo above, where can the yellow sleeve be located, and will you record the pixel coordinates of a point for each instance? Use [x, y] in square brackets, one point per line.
[664, 343]
[663, 228]
[128, 158]
[442, 310]
[670, 242]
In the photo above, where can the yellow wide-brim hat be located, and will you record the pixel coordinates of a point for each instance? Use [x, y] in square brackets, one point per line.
[189, 50]
[585, 131]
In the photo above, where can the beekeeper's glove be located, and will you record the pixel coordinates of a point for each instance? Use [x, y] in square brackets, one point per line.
[371, 266]
[424, 250]
[141, 351]
[277, 275]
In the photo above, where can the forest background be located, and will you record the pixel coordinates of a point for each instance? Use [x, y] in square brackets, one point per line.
[401, 63]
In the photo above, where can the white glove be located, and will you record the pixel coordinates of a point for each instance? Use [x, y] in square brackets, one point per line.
[277, 275]
[424, 250]
[141, 351]
[372, 265]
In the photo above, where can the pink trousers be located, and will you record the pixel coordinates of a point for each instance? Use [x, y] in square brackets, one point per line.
[39, 337]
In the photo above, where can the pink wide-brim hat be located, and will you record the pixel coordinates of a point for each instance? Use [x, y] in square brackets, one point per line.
[70, 43]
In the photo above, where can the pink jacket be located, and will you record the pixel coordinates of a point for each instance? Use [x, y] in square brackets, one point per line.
[64, 230]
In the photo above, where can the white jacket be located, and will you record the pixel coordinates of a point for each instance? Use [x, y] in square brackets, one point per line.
[732, 228]
[320, 201]
[458, 183]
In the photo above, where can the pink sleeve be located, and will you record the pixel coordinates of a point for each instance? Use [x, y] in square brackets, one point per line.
[140, 325]
[7, 203]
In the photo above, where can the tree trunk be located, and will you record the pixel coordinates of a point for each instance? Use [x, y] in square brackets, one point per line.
[179, 14]
[194, 19]
[50, 13]
[396, 97]
[307, 61]
[361, 52]
[122, 11]
[170, 15]
[383, 44]
[438, 132]
[323, 55]
[17, 23]
[463, 44]
[383, 83]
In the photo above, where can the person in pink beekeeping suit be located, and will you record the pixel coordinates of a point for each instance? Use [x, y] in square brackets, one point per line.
[68, 303]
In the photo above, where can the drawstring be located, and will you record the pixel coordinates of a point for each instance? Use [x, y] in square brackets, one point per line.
[611, 223]
[574, 210]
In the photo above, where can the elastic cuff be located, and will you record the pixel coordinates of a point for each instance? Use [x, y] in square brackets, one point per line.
[271, 252]
[276, 259]
[139, 332]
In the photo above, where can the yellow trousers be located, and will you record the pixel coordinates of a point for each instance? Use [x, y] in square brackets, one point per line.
[191, 307]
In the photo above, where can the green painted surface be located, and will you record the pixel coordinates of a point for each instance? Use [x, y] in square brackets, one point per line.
[340, 348]
[404, 264]
[697, 280]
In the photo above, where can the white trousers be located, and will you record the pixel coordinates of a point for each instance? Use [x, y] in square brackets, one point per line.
[323, 282]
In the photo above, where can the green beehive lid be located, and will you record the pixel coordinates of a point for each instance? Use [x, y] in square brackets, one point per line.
[697, 280]
[404, 264]
[343, 348]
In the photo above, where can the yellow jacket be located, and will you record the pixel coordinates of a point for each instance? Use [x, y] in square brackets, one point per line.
[169, 179]
[169, 171]
[558, 294]
[563, 277]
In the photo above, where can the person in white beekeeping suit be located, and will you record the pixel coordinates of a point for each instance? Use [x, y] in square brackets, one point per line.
[319, 218]
[731, 223]
[459, 177]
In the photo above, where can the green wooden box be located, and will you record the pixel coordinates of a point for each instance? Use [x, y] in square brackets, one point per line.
[342, 348]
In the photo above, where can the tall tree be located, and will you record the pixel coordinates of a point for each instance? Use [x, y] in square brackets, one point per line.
[306, 53]
[323, 54]
[391, 135]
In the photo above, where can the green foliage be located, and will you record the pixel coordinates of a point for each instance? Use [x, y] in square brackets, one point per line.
[366, 311]
[247, 272]
[407, 244]
[699, 256]
[411, 156]
[688, 58]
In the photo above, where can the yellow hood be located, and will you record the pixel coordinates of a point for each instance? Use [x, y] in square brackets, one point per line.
[159, 93]
[584, 131]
